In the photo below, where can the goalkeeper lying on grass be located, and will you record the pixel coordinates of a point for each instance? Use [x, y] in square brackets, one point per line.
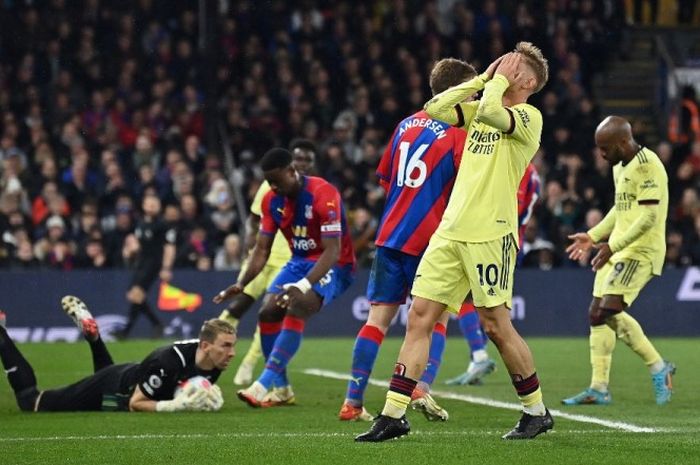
[146, 386]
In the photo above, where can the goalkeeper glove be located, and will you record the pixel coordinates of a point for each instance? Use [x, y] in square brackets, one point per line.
[215, 400]
[192, 400]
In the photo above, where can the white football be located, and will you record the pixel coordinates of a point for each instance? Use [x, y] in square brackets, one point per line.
[192, 384]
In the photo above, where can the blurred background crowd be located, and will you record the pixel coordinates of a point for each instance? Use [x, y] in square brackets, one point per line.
[102, 101]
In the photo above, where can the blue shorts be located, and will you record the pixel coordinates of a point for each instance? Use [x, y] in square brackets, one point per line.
[334, 283]
[391, 277]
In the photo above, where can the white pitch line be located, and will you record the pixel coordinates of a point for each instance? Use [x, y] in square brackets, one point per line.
[270, 435]
[628, 427]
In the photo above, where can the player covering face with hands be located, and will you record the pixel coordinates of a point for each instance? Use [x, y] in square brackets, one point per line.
[474, 248]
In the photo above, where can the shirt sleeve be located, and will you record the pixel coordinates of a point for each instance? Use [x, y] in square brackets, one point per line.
[444, 105]
[644, 222]
[159, 376]
[460, 138]
[384, 168]
[327, 208]
[537, 183]
[528, 193]
[267, 223]
[491, 110]
[528, 124]
[650, 182]
[603, 229]
[170, 234]
[256, 206]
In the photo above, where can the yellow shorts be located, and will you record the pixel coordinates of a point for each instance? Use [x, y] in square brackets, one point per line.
[622, 276]
[449, 270]
[257, 287]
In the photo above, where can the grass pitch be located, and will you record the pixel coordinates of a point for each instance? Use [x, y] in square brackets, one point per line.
[310, 433]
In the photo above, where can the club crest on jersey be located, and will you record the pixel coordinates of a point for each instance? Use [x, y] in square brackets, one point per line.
[308, 212]
[155, 381]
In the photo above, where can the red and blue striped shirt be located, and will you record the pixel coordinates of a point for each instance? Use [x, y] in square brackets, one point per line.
[316, 212]
[417, 170]
[528, 193]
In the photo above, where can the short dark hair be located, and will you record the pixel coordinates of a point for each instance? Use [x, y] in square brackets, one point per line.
[304, 144]
[276, 158]
[212, 328]
[449, 72]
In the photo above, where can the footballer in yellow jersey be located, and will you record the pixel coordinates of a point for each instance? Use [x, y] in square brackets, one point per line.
[635, 230]
[475, 245]
[303, 159]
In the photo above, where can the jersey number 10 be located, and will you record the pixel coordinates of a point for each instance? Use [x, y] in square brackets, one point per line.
[408, 166]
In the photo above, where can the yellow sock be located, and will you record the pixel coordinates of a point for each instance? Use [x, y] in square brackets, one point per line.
[228, 318]
[629, 330]
[602, 342]
[395, 405]
[255, 351]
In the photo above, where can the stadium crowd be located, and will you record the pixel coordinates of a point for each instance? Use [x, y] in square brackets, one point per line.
[102, 101]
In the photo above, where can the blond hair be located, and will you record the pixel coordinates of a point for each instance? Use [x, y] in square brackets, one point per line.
[212, 328]
[536, 61]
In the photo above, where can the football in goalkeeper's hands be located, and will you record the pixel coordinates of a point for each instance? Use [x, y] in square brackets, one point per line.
[194, 383]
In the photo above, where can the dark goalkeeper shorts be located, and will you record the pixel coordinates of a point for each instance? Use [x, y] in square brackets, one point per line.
[100, 391]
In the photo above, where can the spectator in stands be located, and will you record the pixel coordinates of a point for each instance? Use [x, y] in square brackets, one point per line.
[692, 246]
[228, 257]
[124, 87]
[684, 123]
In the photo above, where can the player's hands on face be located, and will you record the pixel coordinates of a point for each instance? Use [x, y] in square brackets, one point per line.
[602, 257]
[508, 67]
[233, 289]
[582, 244]
[491, 70]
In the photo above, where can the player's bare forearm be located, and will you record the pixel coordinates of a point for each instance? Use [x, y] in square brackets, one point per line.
[491, 110]
[442, 106]
[140, 403]
[329, 257]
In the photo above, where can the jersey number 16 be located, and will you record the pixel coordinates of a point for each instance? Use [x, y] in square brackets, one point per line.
[407, 166]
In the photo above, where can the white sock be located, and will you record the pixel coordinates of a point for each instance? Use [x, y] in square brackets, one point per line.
[536, 410]
[600, 387]
[656, 367]
[480, 355]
